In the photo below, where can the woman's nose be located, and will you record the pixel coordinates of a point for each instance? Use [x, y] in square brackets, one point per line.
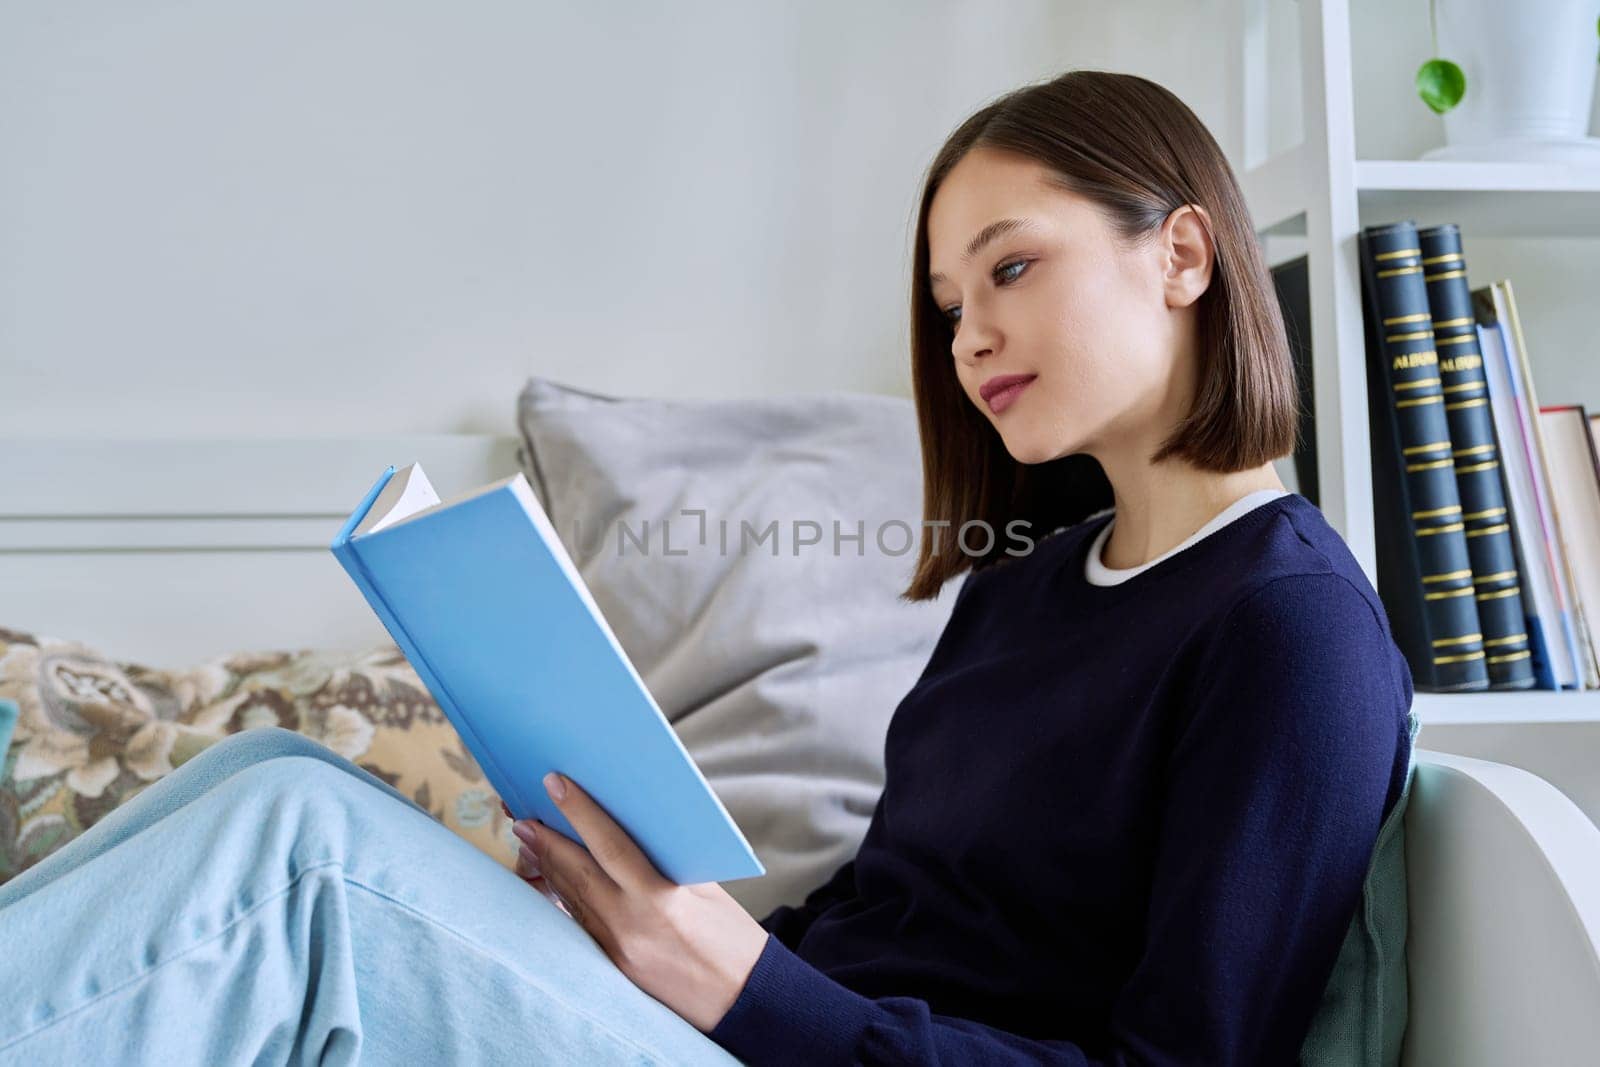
[974, 339]
[973, 349]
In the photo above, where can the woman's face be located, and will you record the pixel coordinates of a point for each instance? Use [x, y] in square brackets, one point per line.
[1102, 335]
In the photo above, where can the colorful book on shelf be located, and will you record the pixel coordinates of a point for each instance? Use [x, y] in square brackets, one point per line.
[1551, 654]
[1424, 571]
[483, 599]
[1575, 487]
[1550, 516]
[1473, 448]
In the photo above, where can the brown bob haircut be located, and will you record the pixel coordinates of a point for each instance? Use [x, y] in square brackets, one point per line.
[1139, 153]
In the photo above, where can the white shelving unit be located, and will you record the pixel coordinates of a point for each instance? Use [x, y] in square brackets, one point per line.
[1320, 191]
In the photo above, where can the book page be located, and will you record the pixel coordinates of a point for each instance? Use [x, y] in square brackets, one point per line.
[413, 503]
[407, 492]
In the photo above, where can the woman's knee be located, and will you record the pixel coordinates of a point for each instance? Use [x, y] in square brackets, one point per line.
[317, 790]
[318, 777]
[295, 812]
[261, 745]
[257, 744]
[268, 743]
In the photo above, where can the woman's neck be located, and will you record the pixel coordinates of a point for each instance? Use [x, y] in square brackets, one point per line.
[1164, 509]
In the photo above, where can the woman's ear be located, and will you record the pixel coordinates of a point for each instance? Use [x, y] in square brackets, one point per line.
[1187, 253]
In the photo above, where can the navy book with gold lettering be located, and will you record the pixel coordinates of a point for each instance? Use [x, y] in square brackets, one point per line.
[1424, 570]
[1496, 580]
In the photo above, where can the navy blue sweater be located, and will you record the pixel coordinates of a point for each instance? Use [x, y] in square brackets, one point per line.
[1120, 823]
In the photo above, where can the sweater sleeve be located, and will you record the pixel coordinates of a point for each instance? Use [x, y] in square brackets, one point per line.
[1276, 786]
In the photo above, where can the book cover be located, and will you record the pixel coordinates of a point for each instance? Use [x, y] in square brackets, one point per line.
[1575, 473]
[483, 599]
[1552, 664]
[1550, 511]
[1424, 572]
[1476, 454]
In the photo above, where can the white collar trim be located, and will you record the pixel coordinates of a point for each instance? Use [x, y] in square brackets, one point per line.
[1099, 574]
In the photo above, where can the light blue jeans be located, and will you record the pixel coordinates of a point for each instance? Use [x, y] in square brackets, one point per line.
[271, 902]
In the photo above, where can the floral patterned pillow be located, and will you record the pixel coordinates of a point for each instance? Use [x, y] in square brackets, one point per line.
[91, 733]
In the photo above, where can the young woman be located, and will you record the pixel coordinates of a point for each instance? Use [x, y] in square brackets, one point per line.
[1129, 807]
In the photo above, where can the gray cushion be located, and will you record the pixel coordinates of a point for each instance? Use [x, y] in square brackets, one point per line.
[779, 672]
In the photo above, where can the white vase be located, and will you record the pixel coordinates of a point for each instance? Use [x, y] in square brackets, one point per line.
[1530, 69]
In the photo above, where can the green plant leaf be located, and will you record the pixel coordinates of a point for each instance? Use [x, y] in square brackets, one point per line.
[1441, 84]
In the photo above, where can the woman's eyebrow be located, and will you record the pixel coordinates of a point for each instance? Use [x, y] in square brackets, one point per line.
[989, 233]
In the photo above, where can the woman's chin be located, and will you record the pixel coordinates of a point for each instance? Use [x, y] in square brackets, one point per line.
[1029, 450]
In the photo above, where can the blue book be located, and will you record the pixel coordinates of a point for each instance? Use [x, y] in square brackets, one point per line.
[481, 596]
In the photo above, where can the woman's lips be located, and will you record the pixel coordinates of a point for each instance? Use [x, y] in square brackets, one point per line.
[1004, 398]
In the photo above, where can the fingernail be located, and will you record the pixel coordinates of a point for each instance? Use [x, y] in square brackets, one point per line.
[525, 833]
[556, 787]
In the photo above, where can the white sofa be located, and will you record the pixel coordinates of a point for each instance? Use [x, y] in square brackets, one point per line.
[1503, 946]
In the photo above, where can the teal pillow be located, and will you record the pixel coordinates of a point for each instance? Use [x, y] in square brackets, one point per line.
[8, 719]
[1362, 1016]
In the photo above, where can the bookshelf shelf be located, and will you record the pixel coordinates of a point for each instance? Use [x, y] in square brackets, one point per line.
[1424, 175]
[1486, 199]
[1506, 707]
[1318, 194]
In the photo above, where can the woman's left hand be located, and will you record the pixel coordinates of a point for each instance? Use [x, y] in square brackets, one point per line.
[690, 946]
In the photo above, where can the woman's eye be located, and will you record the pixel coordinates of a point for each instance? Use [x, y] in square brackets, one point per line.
[1007, 266]
[952, 314]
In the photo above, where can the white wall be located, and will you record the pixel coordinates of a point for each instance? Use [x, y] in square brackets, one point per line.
[290, 218]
